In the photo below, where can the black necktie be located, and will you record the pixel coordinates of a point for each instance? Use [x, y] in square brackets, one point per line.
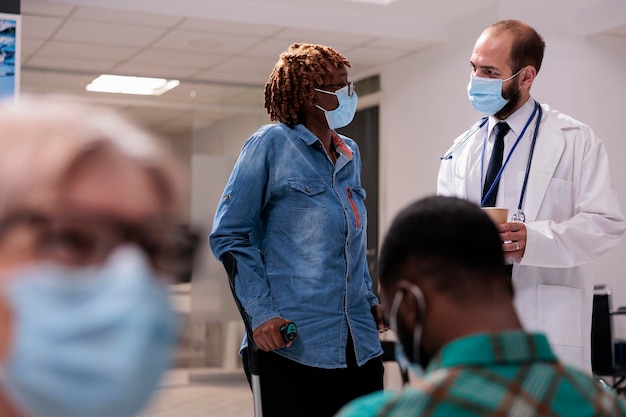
[495, 163]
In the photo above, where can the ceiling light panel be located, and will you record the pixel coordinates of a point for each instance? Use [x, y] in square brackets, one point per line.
[122, 84]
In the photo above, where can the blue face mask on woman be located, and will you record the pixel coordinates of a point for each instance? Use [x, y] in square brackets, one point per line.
[91, 342]
[485, 94]
[344, 113]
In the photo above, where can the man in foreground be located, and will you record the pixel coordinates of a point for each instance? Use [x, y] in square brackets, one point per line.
[452, 311]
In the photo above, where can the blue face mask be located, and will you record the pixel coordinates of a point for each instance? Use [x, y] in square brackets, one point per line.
[410, 343]
[485, 94]
[87, 342]
[344, 113]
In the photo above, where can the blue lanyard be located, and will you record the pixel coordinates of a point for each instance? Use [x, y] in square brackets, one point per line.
[530, 158]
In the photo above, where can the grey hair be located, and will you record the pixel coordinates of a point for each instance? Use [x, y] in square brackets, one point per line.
[42, 136]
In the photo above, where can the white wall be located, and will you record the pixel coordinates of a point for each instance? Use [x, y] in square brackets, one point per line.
[227, 136]
[425, 106]
[586, 79]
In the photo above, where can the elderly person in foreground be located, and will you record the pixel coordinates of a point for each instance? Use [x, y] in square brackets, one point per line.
[88, 203]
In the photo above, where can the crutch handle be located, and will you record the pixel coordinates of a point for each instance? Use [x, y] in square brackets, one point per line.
[289, 331]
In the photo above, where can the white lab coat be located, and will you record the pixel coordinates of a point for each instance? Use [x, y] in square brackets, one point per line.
[573, 216]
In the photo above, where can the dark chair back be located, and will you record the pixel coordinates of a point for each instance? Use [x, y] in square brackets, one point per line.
[602, 344]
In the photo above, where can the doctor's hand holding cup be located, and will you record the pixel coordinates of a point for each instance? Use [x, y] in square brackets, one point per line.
[88, 210]
[513, 233]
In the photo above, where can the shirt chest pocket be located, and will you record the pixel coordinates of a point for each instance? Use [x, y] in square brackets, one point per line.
[309, 202]
[356, 197]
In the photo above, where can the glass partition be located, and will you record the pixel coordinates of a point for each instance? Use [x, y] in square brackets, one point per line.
[205, 124]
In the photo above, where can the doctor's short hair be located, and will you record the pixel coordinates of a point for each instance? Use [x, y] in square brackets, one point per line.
[450, 241]
[528, 46]
[299, 70]
[43, 136]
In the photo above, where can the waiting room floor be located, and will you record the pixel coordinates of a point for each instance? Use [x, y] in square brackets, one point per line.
[211, 394]
[215, 393]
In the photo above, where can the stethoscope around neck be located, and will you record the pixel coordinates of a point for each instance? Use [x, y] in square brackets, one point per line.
[519, 216]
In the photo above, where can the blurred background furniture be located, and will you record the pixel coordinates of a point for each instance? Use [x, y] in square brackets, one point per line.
[608, 356]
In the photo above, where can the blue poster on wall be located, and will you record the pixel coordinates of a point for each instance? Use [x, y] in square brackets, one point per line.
[9, 56]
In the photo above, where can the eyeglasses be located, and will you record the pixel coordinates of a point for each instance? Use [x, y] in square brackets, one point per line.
[86, 240]
[332, 88]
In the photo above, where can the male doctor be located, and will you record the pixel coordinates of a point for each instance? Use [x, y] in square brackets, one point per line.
[552, 173]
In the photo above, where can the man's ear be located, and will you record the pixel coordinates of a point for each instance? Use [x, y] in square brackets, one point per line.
[527, 76]
[409, 308]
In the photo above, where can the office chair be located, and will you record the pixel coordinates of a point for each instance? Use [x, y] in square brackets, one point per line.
[605, 363]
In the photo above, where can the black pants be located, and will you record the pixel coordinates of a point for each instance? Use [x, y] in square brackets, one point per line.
[292, 389]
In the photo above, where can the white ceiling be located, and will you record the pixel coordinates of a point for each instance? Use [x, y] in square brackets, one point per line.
[223, 50]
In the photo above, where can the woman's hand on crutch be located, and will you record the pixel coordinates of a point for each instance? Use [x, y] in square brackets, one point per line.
[274, 334]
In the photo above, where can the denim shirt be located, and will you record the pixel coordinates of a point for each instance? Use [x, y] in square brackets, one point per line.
[296, 225]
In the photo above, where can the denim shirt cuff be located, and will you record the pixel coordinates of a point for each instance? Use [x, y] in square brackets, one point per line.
[373, 300]
[260, 312]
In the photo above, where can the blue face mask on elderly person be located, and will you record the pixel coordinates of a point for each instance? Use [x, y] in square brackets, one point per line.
[485, 94]
[344, 113]
[91, 341]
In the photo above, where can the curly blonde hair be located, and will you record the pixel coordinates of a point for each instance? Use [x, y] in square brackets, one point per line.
[299, 70]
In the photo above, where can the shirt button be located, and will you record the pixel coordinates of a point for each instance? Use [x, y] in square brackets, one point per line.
[307, 189]
[349, 278]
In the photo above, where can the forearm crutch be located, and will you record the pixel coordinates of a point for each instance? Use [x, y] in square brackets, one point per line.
[289, 332]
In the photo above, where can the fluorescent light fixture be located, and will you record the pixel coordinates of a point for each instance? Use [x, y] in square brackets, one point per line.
[123, 84]
[380, 2]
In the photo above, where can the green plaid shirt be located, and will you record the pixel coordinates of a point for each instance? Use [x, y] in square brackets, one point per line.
[505, 374]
